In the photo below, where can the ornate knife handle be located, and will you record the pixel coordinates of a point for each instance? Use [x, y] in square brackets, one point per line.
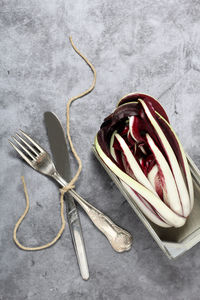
[120, 239]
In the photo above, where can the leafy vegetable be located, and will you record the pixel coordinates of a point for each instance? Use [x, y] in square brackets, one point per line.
[139, 145]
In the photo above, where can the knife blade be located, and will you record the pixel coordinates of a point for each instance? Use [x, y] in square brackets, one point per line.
[60, 154]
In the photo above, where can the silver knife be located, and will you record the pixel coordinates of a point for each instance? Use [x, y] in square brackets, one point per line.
[60, 154]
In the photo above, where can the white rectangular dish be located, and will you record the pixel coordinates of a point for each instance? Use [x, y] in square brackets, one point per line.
[172, 241]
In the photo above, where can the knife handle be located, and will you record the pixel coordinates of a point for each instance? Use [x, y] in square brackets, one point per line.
[120, 239]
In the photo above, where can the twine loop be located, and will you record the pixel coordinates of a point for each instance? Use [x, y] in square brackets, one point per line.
[66, 188]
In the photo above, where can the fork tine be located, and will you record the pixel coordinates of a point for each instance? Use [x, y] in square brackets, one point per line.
[27, 144]
[32, 141]
[24, 148]
[21, 153]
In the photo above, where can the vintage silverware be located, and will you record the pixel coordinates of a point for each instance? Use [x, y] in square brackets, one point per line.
[39, 159]
[60, 154]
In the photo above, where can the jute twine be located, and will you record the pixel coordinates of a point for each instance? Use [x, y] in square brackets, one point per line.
[74, 179]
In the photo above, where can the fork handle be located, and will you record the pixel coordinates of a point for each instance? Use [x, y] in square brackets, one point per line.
[120, 239]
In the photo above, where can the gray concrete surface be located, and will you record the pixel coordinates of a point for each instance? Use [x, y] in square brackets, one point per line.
[147, 46]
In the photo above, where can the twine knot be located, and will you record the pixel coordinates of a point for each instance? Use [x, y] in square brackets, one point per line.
[66, 188]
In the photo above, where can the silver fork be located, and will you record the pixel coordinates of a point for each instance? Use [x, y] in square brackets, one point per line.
[40, 160]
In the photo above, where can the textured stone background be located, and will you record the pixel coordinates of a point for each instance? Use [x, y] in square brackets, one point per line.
[147, 46]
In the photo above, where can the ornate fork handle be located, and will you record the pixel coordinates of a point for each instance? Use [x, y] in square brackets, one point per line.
[120, 239]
